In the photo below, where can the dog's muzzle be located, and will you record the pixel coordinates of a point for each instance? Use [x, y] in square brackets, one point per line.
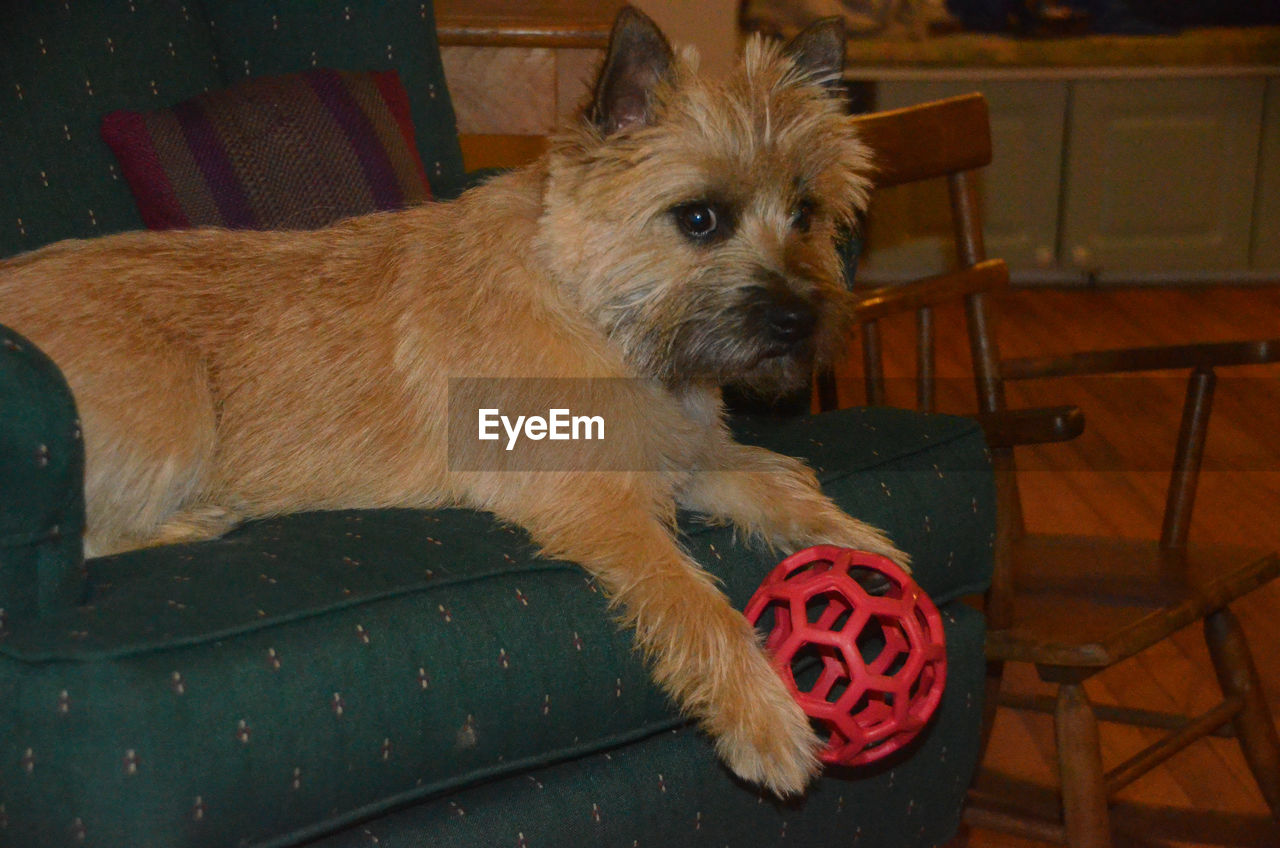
[790, 323]
[782, 319]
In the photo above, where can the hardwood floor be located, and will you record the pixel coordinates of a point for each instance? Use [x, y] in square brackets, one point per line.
[1111, 481]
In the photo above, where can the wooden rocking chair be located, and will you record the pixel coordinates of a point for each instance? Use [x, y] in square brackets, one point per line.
[1073, 606]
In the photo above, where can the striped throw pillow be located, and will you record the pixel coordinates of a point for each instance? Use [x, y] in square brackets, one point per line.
[297, 151]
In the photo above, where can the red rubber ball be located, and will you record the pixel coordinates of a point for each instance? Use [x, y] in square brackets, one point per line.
[868, 666]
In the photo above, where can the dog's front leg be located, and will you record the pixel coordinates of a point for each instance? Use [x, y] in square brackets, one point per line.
[701, 650]
[777, 498]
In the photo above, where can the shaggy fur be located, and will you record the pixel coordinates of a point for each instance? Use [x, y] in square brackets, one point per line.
[228, 375]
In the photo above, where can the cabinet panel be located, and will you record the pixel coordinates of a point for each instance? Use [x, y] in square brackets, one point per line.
[1160, 174]
[1266, 220]
[909, 229]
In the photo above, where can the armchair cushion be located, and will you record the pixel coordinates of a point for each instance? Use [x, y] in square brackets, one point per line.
[668, 789]
[297, 151]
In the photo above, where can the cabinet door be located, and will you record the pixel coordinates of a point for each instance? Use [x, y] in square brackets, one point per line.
[1266, 218]
[1160, 174]
[910, 226]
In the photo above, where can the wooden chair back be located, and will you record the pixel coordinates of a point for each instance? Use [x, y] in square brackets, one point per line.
[944, 140]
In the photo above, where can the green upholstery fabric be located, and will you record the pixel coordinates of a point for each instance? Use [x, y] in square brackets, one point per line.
[924, 479]
[63, 66]
[41, 493]
[308, 671]
[668, 790]
[257, 38]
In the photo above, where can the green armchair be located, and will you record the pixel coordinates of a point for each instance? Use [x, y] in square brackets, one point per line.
[388, 677]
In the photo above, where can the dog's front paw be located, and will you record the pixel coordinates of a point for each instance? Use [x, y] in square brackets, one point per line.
[848, 532]
[763, 736]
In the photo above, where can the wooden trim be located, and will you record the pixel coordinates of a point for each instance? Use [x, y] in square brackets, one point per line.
[980, 75]
[494, 23]
[500, 151]
[478, 35]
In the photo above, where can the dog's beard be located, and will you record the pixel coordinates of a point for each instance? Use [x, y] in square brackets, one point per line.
[775, 378]
[723, 346]
[746, 359]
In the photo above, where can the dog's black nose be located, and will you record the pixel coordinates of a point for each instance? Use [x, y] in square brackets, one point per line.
[791, 322]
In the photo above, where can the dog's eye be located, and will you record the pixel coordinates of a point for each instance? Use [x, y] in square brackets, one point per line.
[802, 217]
[701, 221]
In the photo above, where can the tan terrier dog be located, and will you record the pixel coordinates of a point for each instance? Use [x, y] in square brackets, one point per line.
[679, 237]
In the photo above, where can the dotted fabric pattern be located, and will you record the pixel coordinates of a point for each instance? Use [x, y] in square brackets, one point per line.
[306, 672]
[669, 791]
[64, 65]
[257, 38]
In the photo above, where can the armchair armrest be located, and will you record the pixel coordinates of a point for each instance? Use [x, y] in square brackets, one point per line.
[41, 485]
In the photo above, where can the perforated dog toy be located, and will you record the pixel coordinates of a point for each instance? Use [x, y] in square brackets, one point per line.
[868, 666]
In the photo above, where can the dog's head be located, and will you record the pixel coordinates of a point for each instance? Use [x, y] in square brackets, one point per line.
[695, 220]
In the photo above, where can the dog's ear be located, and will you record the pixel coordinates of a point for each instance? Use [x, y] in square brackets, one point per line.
[639, 57]
[818, 51]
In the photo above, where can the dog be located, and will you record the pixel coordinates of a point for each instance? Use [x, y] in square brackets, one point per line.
[677, 237]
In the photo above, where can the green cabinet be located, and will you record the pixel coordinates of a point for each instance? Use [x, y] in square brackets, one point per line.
[1160, 174]
[1265, 248]
[1106, 177]
[1020, 191]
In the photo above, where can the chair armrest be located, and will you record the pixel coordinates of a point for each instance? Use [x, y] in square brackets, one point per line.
[41, 485]
[1014, 427]
[880, 302]
[1157, 358]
